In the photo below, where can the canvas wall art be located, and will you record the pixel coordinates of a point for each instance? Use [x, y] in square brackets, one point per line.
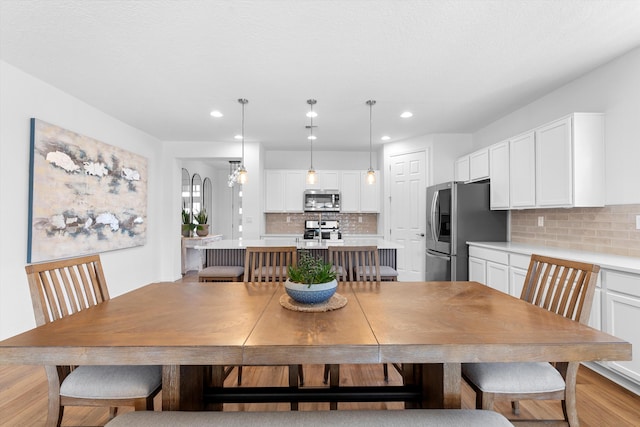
[85, 196]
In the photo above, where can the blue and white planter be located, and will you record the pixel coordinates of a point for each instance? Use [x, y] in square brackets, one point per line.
[314, 294]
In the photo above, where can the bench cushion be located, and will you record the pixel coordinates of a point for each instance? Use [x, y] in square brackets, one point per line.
[222, 271]
[389, 418]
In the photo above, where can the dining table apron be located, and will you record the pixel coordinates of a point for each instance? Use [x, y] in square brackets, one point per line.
[431, 328]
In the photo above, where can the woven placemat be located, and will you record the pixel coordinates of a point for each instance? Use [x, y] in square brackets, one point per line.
[335, 302]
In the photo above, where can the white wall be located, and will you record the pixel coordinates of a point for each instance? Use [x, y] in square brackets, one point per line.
[24, 97]
[613, 89]
[322, 160]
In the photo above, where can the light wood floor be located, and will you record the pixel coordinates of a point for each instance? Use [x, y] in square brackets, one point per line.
[23, 396]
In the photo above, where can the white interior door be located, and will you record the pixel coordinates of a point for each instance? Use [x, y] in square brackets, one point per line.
[407, 210]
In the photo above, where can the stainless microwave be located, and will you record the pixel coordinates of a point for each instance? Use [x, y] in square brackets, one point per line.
[321, 201]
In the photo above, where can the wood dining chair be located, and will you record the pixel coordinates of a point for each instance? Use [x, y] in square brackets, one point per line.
[62, 288]
[565, 288]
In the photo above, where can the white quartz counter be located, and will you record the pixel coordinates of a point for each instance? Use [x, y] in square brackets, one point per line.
[301, 243]
[614, 262]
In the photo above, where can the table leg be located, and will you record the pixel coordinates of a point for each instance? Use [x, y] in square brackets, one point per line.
[441, 385]
[182, 388]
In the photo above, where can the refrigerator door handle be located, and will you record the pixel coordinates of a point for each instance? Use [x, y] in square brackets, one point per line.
[432, 255]
[434, 202]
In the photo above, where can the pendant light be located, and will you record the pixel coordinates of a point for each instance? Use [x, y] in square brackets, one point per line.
[312, 177]
[242, 171]
[371, 174]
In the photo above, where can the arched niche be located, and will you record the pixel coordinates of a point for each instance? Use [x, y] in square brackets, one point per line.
[207, 196]
[196, 194]
[186, 190]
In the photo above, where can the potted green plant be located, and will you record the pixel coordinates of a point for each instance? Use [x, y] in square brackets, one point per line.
[202, 228]
[311, 281]
[187, 225]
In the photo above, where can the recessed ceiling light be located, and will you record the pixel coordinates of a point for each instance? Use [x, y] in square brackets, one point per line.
[406, 114]
[238, 137]
[385, 138]
[312, 114]
[216, 114]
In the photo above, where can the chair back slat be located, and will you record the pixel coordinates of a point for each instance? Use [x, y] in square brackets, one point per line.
[64, 287]
[561, 286]
[355, 263]
[268, 264]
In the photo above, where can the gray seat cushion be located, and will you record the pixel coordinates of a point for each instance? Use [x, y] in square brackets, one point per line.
[112, 382]
[531, 377]
[386, 271]
[391, 418]
[222, 271]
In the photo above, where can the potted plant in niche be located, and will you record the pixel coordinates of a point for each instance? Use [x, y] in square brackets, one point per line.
[312, 281]
[187, 225]
[202, 228]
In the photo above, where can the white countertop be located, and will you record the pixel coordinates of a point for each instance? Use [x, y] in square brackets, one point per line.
[613, 262]
[301, 243]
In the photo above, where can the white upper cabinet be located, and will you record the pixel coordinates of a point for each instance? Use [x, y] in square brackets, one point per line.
[358, 196]
[522, 172]
[570, 162]
[369, 194]
[327, 180]
[499, 175]
[472, 167]
[479, 165]
[560, 164]
[461, 169]
[350, 191]
[273, 191]
[284, 190]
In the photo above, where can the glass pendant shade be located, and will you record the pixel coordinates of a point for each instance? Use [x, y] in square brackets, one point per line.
[312, 177]
[243, 177]
[371, 177]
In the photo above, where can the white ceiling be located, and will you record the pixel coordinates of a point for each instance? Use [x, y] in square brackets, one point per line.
[163, 65]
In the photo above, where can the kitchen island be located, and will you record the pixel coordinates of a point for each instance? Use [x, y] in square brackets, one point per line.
[231, 252]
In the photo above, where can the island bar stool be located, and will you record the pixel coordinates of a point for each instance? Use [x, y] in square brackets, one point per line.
[60, 289]
[565, 288]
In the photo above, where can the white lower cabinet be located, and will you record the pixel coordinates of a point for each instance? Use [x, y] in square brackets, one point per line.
[622, 298]
[498, 276]
[477, 270]
[489, 267]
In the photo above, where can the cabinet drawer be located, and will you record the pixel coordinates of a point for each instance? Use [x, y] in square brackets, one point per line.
[620, 282]
[489, 255]
[519, 261]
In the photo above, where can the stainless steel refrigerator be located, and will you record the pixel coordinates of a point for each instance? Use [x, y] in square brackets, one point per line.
[458, 213]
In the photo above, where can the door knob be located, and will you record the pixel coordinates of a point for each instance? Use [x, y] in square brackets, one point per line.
[420, 234]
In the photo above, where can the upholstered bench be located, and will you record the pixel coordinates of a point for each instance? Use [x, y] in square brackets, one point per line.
[221, 273]
[409, 417]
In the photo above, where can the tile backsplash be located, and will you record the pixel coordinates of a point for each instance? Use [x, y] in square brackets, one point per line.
[293, 223]
[610, 229]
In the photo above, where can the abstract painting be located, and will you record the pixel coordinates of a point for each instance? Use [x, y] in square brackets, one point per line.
[85, 196]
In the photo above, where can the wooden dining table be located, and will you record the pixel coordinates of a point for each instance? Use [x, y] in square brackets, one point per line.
[431, 328]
